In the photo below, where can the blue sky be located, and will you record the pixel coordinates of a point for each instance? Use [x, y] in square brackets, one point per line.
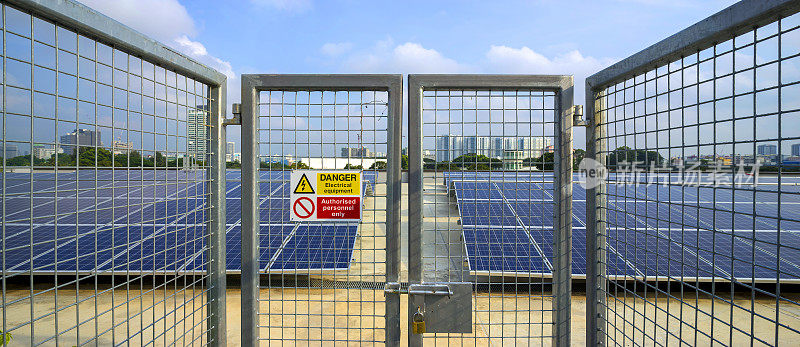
[349, 36]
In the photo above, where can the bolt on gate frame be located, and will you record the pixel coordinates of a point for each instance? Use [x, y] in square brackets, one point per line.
[109, 79]
[725, 87]
[487, 95]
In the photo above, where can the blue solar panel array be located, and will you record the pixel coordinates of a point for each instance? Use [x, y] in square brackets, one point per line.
[142, 221]
[507, 220]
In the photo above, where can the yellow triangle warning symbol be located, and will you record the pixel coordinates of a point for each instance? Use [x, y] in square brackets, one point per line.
[304, 186]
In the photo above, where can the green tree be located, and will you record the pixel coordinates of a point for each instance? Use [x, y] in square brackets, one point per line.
[545, 162]
[378, 165]
[135, 159]
[299, 165]
[641, 157]
[474, 161]
[577, 157]
[22, 160]
[161, 160]
[349, 166]
[91, 156]
[404, 162]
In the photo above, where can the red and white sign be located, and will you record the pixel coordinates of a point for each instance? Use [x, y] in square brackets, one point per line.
[325, 195]
[303, 207]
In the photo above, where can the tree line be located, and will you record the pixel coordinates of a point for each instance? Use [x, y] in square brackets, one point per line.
[100, 157]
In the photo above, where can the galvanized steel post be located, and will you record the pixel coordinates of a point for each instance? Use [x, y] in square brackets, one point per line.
[217, 317]
[562, 233]
[250, 213]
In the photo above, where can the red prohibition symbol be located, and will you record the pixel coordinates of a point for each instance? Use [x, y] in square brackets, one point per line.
[303, 207]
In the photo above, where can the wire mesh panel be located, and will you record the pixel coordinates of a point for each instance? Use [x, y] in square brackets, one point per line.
[105, 188]
[490, 201]
[695, 221]
[319, 282]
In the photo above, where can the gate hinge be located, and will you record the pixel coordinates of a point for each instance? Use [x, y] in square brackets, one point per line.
[237, 116]
[577, 116]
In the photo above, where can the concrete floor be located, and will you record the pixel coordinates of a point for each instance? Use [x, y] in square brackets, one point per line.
[346, 316]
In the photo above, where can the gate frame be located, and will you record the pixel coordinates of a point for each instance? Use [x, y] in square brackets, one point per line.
[252, 85]
[562, 235]
[86, 21]
[737, 19]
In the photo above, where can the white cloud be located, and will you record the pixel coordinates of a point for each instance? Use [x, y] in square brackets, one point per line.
[193, 47]
[335, 49]
[196, 50]
[169, 22]
[286, 5]
[506, 59]
[163, 20]
[409, 57]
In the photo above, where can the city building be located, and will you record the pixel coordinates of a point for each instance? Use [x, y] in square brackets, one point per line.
[512, 159]
[353, 152]
[80, 137]
[45, 151]
[450, 147]
[230, 149]
[198, 132]
[796, 150]
[9, 151]
[119, 147]
[766, 149]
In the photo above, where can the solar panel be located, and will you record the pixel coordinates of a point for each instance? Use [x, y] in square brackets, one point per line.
[154, 227]
[318, 247]
[493, 249]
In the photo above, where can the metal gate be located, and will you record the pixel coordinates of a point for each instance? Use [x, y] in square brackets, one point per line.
[693, 222]
[490, 188]
[110, 184]
[320, 282]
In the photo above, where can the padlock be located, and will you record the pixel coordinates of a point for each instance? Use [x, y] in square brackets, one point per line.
[418, 322]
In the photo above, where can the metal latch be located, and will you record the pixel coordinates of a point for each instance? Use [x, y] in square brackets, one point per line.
[444, 308]
[577, 116]
[418, 289]
[236, 109]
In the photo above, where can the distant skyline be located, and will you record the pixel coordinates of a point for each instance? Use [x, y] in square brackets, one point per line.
[348, 36]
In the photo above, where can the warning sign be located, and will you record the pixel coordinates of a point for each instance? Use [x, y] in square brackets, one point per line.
[304, 186]
[325, 195]
[334, 183]
[303, 208]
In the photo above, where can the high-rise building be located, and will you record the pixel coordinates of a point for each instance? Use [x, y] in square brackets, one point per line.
[354, 152]
[766, 149]
[45, 151]
[80, 137]
[450, 147]
[198, 132]
[230, 149]
[11, 151]
[796, 150]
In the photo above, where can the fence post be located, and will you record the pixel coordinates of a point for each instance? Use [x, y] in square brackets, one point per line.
[562, 233]
[595, 225]
[217, 326]
[250, 213]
